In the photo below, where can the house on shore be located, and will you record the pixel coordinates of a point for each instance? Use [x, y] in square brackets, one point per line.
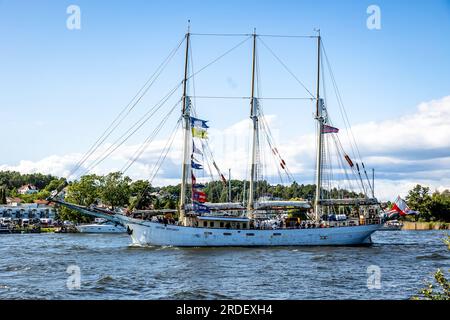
[28, 189]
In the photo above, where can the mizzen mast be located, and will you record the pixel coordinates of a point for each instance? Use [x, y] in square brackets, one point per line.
[254, 117]
[187, 132]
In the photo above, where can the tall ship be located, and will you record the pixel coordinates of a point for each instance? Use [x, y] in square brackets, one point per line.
[330, 218]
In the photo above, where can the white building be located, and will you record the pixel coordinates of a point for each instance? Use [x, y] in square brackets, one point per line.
[28, 189]
[27, 211]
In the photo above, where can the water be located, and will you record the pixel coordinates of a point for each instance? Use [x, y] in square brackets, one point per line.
[33, 266]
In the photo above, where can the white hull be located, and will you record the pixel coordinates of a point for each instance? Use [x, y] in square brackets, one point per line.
[100, 228]
[157, 234]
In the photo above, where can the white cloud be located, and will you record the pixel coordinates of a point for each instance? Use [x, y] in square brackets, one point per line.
[407, 150]
[427, 129]
[54, 164]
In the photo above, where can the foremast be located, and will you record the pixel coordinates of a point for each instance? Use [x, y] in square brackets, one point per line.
[320, 120]
[255, 138]
[187, 133]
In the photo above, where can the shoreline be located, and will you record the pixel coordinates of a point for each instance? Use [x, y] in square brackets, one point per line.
[408, 225]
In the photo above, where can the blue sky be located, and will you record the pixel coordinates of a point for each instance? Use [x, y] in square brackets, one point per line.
[61, 88]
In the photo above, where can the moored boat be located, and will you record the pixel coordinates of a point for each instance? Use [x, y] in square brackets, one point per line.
[392, 225]
[101, 225]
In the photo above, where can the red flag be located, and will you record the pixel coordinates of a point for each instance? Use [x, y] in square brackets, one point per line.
[329, 129]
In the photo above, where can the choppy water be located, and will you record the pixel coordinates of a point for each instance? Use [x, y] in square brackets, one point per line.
[33, 266]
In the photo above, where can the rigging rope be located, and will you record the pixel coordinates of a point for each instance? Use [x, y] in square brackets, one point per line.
[286, 68]
[130, 106]
[137, 125]
[160, 160]
[148, 140]
[219, 57]
[344, 115]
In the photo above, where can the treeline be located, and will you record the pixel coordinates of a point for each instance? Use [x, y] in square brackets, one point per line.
[11, 181]
[432, 206]
[217, 191]
[116, 190]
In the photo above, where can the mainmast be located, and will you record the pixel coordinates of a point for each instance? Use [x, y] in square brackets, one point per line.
[254, 117]
[320, 120]
[187, 132]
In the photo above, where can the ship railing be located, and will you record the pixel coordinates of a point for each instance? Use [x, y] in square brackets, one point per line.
[372, 221]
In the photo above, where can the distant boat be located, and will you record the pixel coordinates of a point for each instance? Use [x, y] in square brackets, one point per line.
[100, 226]
[392, 225]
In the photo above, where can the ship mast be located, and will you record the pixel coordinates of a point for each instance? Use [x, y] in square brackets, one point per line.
[186, 146]
[320, 120]
[254, 117]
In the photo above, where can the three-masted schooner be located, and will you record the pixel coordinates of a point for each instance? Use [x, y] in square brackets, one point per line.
[197, 226]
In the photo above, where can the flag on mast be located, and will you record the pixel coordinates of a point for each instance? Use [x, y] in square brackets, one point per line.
[200, 208]
[329, 129]
[400, 207]
[196, 165]
[195, 122]
[199, 196]
[199, 133]
[196, 150]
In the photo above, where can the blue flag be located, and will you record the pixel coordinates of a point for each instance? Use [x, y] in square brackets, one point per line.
[200, 208]
[199, 123]
[195, 165]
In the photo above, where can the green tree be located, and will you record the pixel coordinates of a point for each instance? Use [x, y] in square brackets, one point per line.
[86, 191]
[157, 204]
[115, 190]
[419, 199]
[440, 206]
[141, 192]
[56, 184]
[170, 204]
[83, 192]
[3, 196]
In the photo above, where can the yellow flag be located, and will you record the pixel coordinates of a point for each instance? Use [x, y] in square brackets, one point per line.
[199, 133]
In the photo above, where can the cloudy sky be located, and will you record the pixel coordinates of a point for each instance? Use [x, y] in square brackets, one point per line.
[61, 88]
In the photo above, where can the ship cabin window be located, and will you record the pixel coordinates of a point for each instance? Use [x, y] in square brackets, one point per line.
[222, 224]
[205, 224]
[211, 224]
[244, 226]
[238, 225]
